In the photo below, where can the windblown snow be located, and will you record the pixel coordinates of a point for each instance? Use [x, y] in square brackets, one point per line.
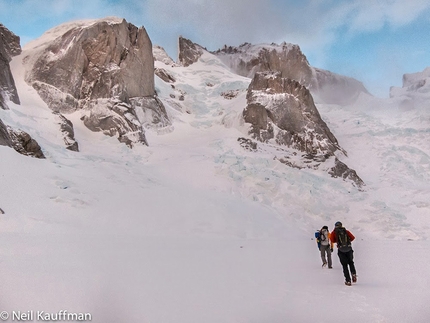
[194, 228]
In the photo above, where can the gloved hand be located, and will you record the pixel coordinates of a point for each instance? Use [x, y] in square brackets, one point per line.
[331, 249]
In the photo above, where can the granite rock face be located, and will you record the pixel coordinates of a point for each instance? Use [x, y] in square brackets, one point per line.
[283, 109]
[189, 52]
[282, 113]
[99, 67]
[248, 59]
[9, 47]
[289, 60]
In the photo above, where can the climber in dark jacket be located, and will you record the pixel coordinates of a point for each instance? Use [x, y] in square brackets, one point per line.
[343, 239]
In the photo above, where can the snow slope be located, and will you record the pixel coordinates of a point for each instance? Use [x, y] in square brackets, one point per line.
[195, 229]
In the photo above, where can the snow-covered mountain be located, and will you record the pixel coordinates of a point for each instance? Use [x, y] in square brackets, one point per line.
[203, 222]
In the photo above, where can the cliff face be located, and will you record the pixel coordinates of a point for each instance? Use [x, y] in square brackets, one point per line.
[189, 52]
[284, 109]
[281, 111]
[100, 60]
[100, 67]
[289, 60]
[9, 47]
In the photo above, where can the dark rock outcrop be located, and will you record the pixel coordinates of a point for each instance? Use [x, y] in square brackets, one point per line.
[5, 139]
[100, 67]
[164, 75]
[20, 141]
[24, 144]
[283, 109]
[9, 47]
[66, 127]
[288, 59]
[343, 171]
[189, 52]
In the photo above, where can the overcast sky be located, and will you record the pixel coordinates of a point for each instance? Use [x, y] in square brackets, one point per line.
[374, 41]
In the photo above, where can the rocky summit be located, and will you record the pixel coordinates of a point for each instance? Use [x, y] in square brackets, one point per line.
[288, 59]
[101, 67]
[283, 109]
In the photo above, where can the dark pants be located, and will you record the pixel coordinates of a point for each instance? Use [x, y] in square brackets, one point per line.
[347, 258]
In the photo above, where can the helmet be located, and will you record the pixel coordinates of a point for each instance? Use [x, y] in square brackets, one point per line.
[338, 224]
[325, 227]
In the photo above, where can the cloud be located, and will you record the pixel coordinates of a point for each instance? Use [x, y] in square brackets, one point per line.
[370, 15]
[313, 24]
[318, 27]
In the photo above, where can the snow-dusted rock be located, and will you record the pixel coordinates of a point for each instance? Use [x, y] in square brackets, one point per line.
[164, 75]
[114, 117]
[160, 55]
[283, 109]
[288, 59]
[248, 59]
[151, 112]
[23, 143]
[95, 66]
[341, 170]
[66, 127]
[9, 47]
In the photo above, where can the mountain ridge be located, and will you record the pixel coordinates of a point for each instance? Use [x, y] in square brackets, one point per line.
[209, 99]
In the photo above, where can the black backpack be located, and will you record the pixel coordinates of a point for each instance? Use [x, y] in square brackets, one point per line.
[343, 240]
[322, 236]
